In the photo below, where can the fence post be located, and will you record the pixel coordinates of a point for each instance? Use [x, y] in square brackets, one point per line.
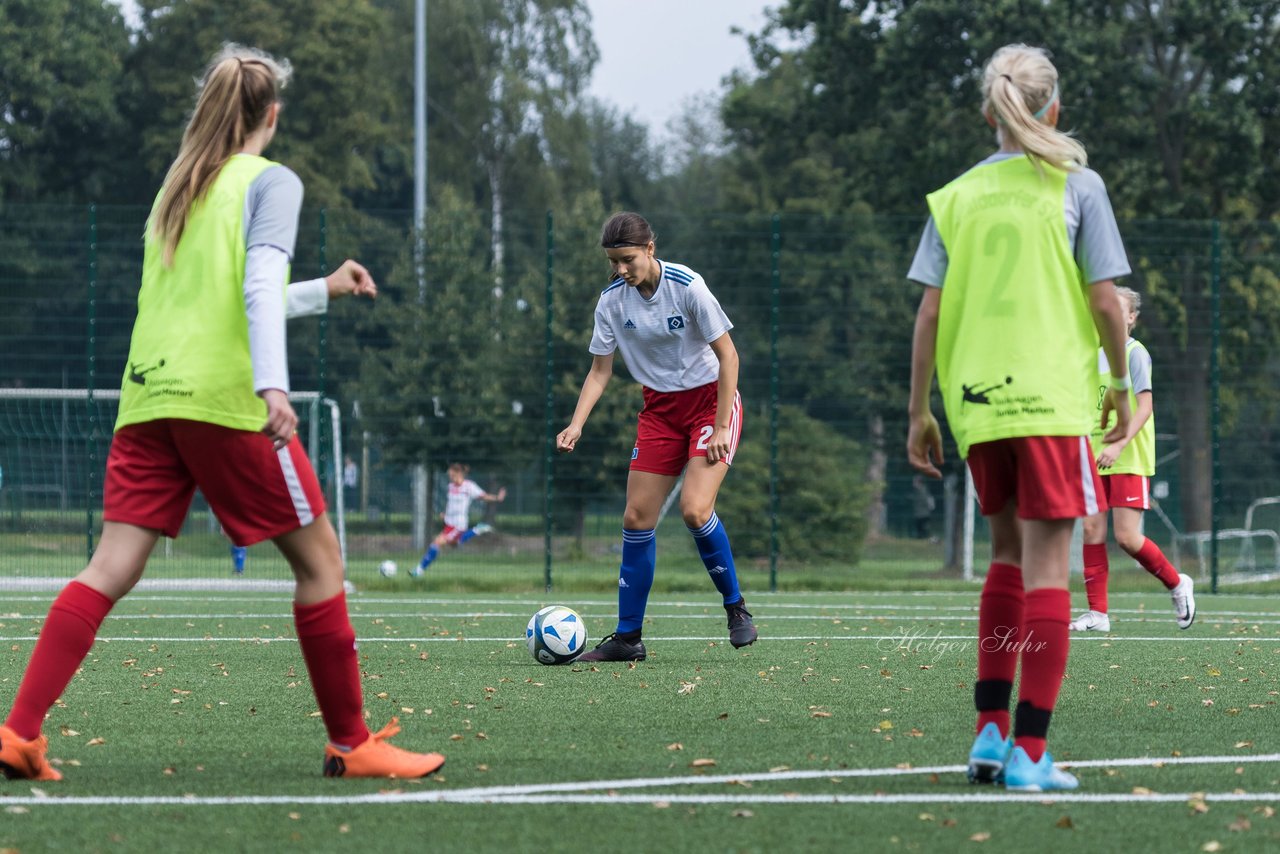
[549, 379]
[775, 295]
[1215, 283]
[91, 364]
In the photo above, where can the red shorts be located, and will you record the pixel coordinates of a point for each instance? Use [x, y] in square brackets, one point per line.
[256, 492]
[675, 426]
[1050, 477]
[452, 534]
[1127, 490]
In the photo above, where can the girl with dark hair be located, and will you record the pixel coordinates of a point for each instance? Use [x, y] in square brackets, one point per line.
[674, 338]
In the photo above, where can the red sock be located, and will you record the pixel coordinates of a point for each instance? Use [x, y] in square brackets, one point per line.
[999, 628]
[1044, 662]
[65, 639]
[329, 648]
[1154, 562]
[1096, 569]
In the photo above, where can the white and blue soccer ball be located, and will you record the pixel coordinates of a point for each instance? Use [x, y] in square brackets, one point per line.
[388, 568]
[556, 635]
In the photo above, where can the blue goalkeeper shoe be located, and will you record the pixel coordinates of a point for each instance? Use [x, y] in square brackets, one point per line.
[988, 755]
[1023, 775]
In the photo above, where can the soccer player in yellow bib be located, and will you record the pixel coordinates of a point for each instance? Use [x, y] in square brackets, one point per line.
[1126, 466]
[1018, 259]
[204, 402]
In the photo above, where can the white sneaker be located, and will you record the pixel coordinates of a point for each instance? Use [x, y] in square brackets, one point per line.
[1184, 601]
[481, 528]
[1091, 621]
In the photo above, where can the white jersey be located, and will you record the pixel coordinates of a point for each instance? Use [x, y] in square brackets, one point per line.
[664, 339]
[457, 508]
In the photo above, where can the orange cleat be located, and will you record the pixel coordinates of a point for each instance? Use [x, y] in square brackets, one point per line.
[377, 758]
[24, 760]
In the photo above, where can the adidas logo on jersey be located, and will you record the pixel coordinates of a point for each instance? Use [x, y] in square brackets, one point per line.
[630, 324]
[622, 582]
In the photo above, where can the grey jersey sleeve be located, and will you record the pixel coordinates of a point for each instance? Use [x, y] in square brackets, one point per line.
[1140, 369]
[1098, 248]
[271, 209]
[929, 267]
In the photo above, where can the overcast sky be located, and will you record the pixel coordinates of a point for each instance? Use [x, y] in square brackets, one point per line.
[656, 54]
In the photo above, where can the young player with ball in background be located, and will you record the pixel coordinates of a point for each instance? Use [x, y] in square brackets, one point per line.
[457, 515]
[1018, 259]
[674, 338]
[204, 402]
[1126, 466]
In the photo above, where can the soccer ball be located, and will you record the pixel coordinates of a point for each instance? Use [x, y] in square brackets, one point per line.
[556, 635]
[387, 568]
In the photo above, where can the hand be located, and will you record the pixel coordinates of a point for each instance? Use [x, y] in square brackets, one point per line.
[568, 439]
[502, 494]
[924, 444]
[350, 279]
[282, 421]
[1109, 454]
[719, 445]
[1116, 401]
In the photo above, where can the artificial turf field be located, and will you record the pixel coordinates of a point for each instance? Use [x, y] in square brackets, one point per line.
[192, 727]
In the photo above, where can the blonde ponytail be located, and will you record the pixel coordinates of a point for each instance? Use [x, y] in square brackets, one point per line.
[1019, 86]
[235, 94]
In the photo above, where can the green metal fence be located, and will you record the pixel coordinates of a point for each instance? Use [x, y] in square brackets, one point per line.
[477, 356]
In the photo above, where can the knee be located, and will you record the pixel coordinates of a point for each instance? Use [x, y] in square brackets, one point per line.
[1130, 541]
[633, 519]
[695, 516]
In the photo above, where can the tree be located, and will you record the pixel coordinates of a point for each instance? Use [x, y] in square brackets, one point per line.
[1176, 101]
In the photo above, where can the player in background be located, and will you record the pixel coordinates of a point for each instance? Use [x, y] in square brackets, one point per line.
[204, 403]
[1126, 466]
[457, 515]
[674, 338]
[1018, 259]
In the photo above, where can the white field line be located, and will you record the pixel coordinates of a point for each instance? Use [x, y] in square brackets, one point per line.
[608, 790]
[904, 642]
[358, 601]
[521, 615]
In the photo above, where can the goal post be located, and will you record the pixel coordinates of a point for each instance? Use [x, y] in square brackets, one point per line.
[53, 452]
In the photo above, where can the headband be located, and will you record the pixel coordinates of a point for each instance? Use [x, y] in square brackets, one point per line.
[623, 244]
[1053, 97]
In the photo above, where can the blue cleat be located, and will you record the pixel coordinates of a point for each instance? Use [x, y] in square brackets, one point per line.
[1023, 775]
[988, 755]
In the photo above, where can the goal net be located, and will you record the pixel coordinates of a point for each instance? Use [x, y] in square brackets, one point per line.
[53, 452]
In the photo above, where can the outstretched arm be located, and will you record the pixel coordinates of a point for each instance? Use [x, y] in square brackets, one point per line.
[592, 387]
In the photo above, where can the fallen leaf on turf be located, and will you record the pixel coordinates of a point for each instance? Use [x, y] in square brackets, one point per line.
[69, 732]
[661, 805]
[1242, 744]
[743, 814]
[702, 763]
[980, 837]
[1240, 825]
[1197, 803]
[344, 828]
[821, 715]
[1211, 845]
[675, 745]
[778, 769]
[1267, 812]
[916, 733]
[1141, 790]
[295, 816]
[686, 687]
[925, 816]
[886, 725]
[1065, 823]
[94, 742]
[16, 811]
